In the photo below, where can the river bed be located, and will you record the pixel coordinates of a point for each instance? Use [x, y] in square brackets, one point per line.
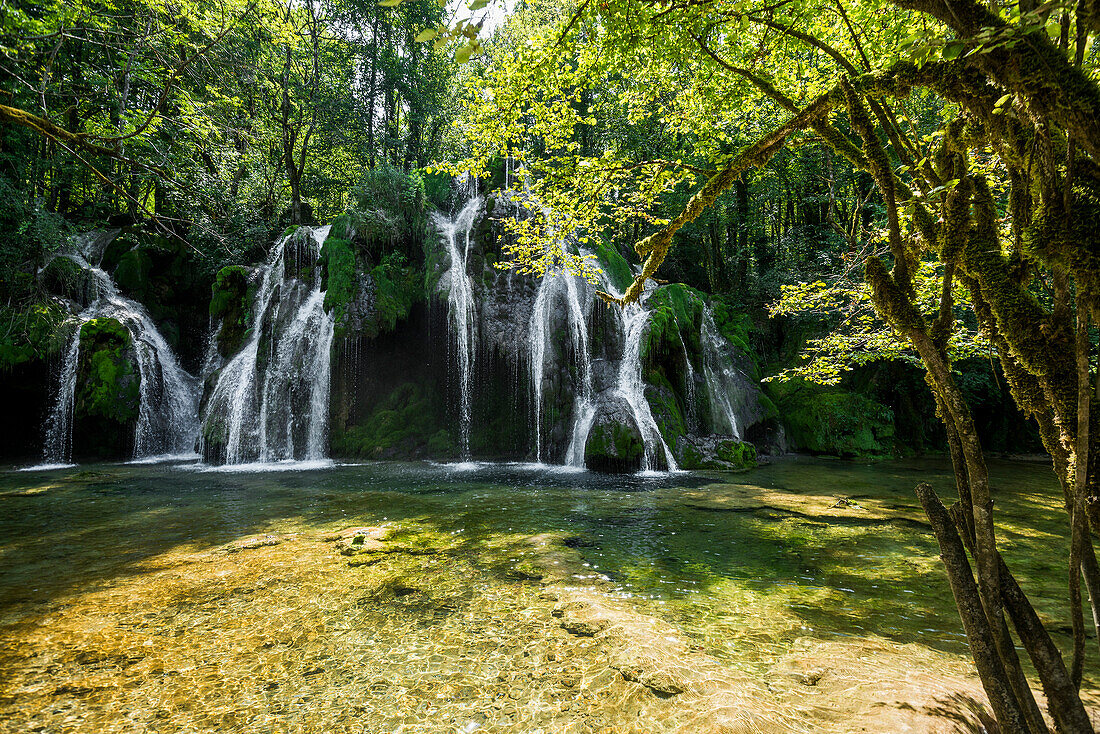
[169, 597]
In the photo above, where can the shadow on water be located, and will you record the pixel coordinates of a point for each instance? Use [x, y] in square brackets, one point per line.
[75, 529]
[774, 540]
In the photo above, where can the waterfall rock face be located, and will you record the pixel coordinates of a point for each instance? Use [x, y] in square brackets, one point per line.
[120, 391]
[270, 400]
[404, 347]
[588, 385]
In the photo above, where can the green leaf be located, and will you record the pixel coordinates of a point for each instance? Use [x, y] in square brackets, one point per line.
[478, 5]
[462, 55]
[426, 35]
[390, 3]
[952, 50]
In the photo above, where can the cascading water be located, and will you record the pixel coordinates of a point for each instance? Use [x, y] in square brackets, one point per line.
[270, 401]
[631, 388]
[168, 396]
[691, 413]
[564, 288]
[721, 378]
[461, 308]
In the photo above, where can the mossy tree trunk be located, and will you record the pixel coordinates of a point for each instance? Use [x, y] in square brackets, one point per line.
[1045, 351]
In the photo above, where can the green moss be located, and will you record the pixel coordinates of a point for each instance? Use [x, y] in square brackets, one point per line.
[341, 227]
[108, 385]
[729, 455]
[738, 453]
[397, 288]
[30, 333]
[614, 266]
[340, 279]
[442, 443]
[404, 424]
[613, 443]
[737, 327]
[666, 409]
[676, 313]
[133, 273]
[64, 277]
[231, 303]
[835, 422]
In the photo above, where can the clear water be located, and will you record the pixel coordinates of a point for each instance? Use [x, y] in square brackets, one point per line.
[743, 564]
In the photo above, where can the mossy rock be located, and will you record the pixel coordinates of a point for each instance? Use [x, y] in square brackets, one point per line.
[107, 399]
[64, 277]
[115, 251]
[340, 275]
[133, 271]
[365, 303]
[397, 288]
[665, 408]
[615, 444]
[405, 424]
[715, 452]
[231, 303]
[300, 255]
[614, 266]
[835, 422]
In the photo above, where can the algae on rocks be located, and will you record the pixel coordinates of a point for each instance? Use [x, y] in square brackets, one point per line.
[230, 303]
[108, 391]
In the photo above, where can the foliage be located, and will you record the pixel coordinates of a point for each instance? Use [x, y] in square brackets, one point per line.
[341, 278]
[396, 289]
[405, 423]
[835, 421]
[856, 335]
[29, 333]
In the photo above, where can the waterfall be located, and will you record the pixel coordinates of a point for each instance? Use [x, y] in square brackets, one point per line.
[721, 378]
[168, 396]
[270, 401]
[690, 412]
[461, 308]
[631, 388]
[556, 288]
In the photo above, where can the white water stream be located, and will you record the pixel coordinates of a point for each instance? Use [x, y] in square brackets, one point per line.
[270, 401]
[168, 396]
[461, 308]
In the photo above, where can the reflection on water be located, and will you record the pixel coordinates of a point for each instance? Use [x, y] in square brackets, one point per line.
[134, 567]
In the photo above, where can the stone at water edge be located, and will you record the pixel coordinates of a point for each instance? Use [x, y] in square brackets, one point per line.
[715, 452]
[108, 389]
[615, 444]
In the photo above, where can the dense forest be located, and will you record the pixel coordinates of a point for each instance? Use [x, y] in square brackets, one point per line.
[615, 234]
